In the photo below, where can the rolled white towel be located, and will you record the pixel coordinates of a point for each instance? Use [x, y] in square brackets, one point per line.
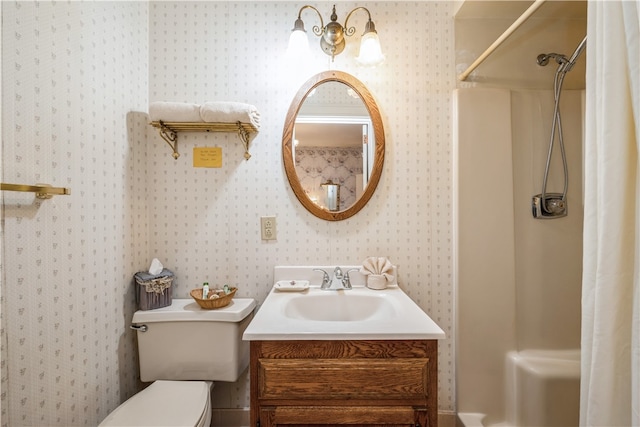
[174, 112]
[230, 112]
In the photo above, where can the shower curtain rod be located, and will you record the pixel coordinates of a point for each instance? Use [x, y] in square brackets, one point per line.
[527, 13]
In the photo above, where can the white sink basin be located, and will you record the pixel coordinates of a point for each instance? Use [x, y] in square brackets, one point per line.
[339, 306]
[357, 314]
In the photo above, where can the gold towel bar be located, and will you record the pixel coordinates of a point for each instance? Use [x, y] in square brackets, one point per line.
[43, 191]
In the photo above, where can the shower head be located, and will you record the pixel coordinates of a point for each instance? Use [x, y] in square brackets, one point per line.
[565, 64]
[542, 59]
[576, 54]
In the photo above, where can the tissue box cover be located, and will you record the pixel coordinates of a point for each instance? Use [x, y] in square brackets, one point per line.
[153, 291]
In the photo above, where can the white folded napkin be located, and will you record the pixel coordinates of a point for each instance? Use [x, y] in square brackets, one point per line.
[378, 265]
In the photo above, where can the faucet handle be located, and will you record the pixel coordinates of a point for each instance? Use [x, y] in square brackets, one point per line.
[326, 280]
[347, 279]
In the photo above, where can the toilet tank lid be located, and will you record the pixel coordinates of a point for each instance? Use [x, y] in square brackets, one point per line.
[188, 310]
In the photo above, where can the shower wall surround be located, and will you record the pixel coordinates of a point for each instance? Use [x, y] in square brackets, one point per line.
[74, 94]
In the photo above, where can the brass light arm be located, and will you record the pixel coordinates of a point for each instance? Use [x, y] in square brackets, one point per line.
[299, 25]
[349, 31]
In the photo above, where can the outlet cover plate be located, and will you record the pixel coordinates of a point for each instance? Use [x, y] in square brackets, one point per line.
[268, 227]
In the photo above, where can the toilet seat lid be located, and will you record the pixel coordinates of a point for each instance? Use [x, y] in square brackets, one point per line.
[163, 403]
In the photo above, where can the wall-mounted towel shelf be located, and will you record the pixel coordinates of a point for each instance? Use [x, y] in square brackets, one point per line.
[43, 191]
[169, 132]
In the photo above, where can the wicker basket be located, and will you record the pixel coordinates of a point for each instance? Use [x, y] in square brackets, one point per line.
[208, 304]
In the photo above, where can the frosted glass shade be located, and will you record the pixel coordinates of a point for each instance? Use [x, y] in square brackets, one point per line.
[370, 51]
[298, 44]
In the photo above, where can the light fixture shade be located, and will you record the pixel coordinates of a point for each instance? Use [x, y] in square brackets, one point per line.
[298, 44]
[370, 51]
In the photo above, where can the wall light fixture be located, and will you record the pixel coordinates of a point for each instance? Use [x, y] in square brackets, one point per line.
[332, 37]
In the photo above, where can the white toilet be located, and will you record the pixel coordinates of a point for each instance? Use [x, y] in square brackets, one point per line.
[183, 349]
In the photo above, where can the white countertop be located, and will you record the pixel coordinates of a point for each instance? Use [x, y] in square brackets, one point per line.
[398, 317]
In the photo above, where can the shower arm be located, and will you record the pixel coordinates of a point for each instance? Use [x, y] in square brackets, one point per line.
[576, 54]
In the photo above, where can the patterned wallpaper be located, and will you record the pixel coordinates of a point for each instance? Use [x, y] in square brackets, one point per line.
[204, 223]
[318, 165]
[74, 97]
[70, 86]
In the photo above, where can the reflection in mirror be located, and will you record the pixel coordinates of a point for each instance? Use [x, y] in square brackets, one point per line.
[333, 145]
[332, 195]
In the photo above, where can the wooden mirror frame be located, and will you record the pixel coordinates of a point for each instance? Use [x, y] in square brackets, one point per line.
[287, 142]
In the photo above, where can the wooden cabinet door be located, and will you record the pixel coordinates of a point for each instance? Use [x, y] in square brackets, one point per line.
[370, 416]
[344, 383]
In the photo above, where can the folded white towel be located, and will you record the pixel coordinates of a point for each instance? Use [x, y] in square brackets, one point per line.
[174, 112]
[230, 112]
[380, 266]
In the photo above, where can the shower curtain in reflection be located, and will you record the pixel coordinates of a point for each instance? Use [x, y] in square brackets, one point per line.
[610, 382]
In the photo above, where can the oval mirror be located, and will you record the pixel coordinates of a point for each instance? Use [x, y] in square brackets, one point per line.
[333, 145]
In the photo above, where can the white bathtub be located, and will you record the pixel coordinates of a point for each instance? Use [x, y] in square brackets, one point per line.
[542, 389]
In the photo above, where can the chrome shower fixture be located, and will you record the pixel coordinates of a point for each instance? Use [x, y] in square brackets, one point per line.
[549, 205]
[545, 204]
[543, 58]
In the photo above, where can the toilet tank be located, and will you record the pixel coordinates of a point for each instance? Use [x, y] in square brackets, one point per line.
[185, 342]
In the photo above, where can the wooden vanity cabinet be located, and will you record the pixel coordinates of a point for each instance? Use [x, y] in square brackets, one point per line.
[356, 383]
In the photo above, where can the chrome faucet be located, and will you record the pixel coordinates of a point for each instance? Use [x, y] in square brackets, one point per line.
[339, 281]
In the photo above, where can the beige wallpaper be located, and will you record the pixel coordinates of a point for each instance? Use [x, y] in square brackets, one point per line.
[69, 83]
[204, 223]
[74, 97]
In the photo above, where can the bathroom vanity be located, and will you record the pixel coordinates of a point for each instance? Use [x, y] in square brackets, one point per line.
[350, 357]
[350, 382]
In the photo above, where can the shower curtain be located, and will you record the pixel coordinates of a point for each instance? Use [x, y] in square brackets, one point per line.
[610, 382]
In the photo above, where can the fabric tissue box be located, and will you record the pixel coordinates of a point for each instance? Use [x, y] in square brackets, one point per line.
[154, 290]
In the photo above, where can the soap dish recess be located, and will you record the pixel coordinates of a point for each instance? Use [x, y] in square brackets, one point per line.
[292, 285]
[209, 304]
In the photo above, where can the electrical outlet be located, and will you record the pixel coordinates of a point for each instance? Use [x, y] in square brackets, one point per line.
[268, 227]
